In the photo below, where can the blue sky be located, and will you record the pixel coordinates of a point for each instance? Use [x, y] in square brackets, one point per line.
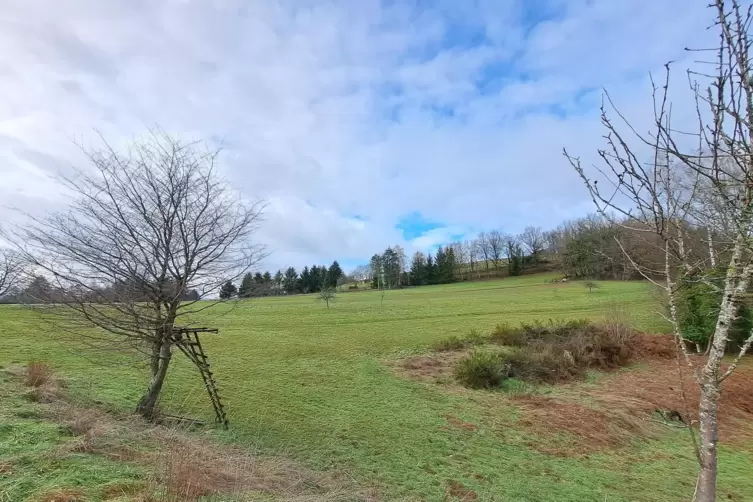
[362, 124]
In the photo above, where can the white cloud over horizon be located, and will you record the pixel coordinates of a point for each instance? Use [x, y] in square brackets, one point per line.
[345, 117]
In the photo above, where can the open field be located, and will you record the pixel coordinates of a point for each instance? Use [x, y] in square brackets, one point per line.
[318, 385]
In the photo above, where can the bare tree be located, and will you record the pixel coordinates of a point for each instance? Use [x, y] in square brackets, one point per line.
[145, 225]
[401, 260]
[326, 294]
[484, 250]
[496, 244]
[533, 239]
[11, 268]
[471, 252]
[461, 258]
[706, 185]
[361, 273]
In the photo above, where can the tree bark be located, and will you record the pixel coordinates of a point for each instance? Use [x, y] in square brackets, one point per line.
[161, 355]
[706, 491]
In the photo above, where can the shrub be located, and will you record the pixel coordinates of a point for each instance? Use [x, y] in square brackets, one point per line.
[37, 374]
[475, 338]
[480, 370]
[591, 285]
[504, 334]
[540, 364]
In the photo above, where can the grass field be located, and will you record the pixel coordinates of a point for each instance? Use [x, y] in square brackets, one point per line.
[312, 384]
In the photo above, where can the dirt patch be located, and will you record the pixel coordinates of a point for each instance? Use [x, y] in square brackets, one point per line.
[420, 363]
[435, 368]
[6, 468]
[631, 404]
[564, 428]
[460, 424]
[63, 496]
[456, 491]
[656, 386]
[649, 347]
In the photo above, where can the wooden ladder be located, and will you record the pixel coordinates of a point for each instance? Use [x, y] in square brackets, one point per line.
[187, 340]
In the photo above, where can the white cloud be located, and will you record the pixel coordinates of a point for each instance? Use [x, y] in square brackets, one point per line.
[331, 109]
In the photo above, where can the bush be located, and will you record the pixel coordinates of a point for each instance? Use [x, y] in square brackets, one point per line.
[547, 352]
[504, 334]
[475, 338]
[541, 364]
[480, 370]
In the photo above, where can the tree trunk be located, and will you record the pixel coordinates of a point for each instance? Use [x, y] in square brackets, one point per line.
[161, 355]
[706, 491]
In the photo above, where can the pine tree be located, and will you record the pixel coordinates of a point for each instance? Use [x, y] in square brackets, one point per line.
[376, 271]
[418, 269]
[431, 270]
[317, 277]
[306, 280]
[267, 279]
[440, 265]
[258, 279]
[333, 274]
[247, 286]
[290, 281]
[228, 290]
[447, 267]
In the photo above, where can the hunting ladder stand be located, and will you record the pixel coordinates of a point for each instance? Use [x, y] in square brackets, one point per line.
[187, 340]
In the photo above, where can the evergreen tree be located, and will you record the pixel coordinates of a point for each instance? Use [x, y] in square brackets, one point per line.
[391, 264]
[445, 266]
[228, 290]
[440, 266]
[258, 279]
[376, 271]
[431, 270]
[267, 278]
[306, 280]
[514, 258]
[290, 281]
[317, 278]
[333, 274]
[247, 286]
[418, 269]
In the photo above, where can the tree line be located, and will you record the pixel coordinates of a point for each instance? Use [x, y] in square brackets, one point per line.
[310, 280]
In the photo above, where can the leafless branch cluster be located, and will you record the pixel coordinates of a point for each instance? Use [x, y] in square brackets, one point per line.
[687, 192]
[145, 226]
[11, 271]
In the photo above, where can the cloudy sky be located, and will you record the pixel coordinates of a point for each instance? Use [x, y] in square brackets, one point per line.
[361, 123]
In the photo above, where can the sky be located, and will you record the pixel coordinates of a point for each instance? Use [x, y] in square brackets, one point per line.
[360, 123]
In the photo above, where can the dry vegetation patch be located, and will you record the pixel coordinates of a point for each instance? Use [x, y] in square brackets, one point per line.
[578, 417]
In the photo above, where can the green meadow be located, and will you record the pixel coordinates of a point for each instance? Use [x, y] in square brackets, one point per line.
[315, 384]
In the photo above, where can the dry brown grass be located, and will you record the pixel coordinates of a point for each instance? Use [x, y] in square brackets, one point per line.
[623, 407]
[564, 428]
[6, 468]
[454, 490]
[63, 495]
[37, 374]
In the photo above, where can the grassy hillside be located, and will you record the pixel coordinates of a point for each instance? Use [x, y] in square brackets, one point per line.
[313, 383]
